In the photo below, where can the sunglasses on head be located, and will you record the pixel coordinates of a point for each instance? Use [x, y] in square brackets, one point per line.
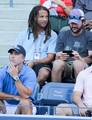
[74, 17]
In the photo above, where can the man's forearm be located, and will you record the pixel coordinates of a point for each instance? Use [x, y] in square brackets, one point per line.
[45, 60]
[88, 59]
[80, 104]
[24, 92]
[78, 101]
[4, 96]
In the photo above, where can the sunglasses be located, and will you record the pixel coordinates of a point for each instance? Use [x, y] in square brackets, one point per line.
[74, 17]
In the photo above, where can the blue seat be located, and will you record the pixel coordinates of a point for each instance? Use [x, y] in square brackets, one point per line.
[35, 93]
[53, 94]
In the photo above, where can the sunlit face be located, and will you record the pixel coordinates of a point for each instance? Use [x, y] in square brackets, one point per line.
[15, 58]
[42, 18]
[76, 28]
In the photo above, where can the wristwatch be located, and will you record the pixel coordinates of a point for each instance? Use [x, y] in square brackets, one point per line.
[16, 78]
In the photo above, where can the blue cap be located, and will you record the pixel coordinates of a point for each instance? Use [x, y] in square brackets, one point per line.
[19, 49]
[76, 16]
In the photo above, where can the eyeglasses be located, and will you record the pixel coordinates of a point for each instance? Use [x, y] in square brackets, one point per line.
[75, 17]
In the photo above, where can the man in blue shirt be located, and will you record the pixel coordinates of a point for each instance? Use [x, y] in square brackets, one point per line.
[17, 82]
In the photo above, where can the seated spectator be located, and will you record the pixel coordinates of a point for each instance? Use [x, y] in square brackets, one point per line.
[59, 9]
[74, 1]
[82, 96]
[39, 42]
[73, 49]
[17, 82]
[85, 5]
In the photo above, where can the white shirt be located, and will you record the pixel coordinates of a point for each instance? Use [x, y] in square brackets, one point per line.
[38, 45]
[84, 85]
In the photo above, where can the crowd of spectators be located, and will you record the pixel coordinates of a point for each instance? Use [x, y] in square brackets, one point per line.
[73, 48]
[44, 54]
[59, 11]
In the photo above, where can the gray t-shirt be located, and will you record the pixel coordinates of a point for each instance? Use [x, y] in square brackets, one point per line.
[86, 6]
[82, 43]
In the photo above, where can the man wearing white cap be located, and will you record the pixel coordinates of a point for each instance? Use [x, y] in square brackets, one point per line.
[73, 49]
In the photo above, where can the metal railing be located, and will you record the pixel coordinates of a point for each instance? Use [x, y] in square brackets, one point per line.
[11, 3]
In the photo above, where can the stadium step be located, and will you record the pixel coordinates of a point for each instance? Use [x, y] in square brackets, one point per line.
[3, 60]
[8, 37]
[13, 20]
[14, 13]
[12, 25]
[18, 3]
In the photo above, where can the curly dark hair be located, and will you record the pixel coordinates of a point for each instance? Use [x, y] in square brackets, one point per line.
[32, 22]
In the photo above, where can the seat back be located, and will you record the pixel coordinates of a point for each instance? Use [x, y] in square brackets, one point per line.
[35, 92]
[54, 93]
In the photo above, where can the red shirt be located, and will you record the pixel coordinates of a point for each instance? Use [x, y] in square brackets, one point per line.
[59, 9]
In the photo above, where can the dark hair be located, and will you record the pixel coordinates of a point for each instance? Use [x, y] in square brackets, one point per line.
[32, 22]
[89, 113]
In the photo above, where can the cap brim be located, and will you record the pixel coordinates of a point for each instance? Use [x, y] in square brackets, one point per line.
[74, 21]
[13, 49]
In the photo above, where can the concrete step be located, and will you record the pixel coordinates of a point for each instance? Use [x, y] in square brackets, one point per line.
[13, 13]
[12, 25]
[19, 3]
[21, 6]
[8, 37]
[4, 50]
[12, 21]
[4, 55]
[4, 60]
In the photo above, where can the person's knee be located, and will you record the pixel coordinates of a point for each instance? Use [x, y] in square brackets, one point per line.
[79, 66]
[25, 107]
[43, 74]
[2, 107]
[63, 110]
[58, 65]
[25, 102]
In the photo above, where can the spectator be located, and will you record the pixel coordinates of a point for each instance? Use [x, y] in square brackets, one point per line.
[85, 5]
[62, 8]
[76, 40]
[59, 9]
[39, 42]
[74, 1]
[82, 96]
[17, 82]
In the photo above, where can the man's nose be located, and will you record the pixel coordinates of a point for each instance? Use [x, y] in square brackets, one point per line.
[13, 55]
[45, 18]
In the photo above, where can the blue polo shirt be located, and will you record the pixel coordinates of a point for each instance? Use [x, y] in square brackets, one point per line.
[7, 85]
[38, 44]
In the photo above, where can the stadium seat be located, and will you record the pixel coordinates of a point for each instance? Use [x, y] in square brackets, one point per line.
[53, 94]
[35, 93]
